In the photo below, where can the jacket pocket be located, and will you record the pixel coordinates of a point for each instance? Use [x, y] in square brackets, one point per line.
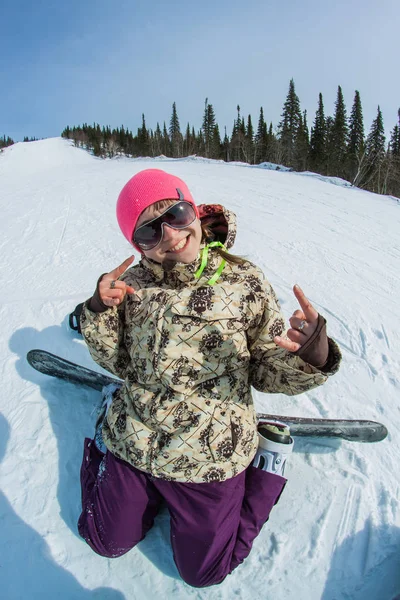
[222, 440]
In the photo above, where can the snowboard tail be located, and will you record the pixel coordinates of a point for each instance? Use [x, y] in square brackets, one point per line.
[353, 430]
[55, 366]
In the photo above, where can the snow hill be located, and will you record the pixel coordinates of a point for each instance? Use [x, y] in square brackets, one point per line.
[335, 535]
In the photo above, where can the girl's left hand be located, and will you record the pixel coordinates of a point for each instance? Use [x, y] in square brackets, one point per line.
[303, 324]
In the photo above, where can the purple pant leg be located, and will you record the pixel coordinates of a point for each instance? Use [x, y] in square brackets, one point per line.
[213, 525]
[204, 521]
[119, 503]
[262, 492]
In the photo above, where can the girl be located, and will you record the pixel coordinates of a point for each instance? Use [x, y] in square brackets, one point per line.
[189, 330]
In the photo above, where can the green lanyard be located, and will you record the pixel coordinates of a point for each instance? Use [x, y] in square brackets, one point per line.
[204, 259]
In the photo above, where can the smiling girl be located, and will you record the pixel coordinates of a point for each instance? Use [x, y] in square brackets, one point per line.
[189, 330]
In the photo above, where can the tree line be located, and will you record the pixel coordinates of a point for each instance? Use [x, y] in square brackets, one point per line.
[5, 141]
[335, 145]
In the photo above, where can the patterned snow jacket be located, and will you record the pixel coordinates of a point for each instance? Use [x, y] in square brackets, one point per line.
[188, 353]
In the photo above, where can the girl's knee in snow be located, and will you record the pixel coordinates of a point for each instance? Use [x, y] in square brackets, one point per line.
[200, 580]
[106, 548]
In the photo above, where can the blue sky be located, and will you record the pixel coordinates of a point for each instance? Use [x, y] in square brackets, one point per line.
[64, 63]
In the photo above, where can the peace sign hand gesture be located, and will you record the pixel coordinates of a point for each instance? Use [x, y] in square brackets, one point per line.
[111, 291]
[307, 336]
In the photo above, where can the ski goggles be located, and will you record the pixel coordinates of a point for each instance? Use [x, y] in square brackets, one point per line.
[177, 216]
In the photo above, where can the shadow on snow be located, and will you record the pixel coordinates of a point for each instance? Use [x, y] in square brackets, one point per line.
[72, 413]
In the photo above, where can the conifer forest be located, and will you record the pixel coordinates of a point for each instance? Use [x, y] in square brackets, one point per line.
[334, 145]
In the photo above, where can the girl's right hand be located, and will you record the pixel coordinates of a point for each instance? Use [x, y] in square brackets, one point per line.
[112, 292]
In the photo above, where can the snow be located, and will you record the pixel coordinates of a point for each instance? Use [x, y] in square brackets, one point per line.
[335, 534]
[273, 167]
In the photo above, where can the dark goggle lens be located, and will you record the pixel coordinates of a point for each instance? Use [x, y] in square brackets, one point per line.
[178, 216]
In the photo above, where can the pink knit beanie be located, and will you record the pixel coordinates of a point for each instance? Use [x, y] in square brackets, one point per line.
[146, 188]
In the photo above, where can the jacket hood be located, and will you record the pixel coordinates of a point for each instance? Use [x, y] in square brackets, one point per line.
[220, 221]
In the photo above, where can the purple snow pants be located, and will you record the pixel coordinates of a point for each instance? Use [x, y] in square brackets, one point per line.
[213, 525]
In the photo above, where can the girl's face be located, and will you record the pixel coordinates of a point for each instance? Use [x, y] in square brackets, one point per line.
[180, 245]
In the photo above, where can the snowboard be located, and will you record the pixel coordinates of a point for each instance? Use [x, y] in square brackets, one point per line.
[353, 430]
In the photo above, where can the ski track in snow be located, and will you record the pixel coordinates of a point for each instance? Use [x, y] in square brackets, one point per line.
[335, 534]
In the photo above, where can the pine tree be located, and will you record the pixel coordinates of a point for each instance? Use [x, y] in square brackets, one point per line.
[208, 128]
[302, 144]
[226, 147]
[96, 140]
[376, 154]
[186, 141]
[356, 148]
[166, 142]
[196, 140]
[318, 140]
[248, 147]
[238, 137]
[289, 126]
[329, 143]
[189, 142]
[175, 134]
[339, 140]
[105, 140]
[273, 146]
[395, 138]
[157, 142]
[375, 144]
[198, 137]
[121, 138]
[394, 158]
[216, 146]
[206, 133]
[260, 140]
[143, 139]
[242, 141]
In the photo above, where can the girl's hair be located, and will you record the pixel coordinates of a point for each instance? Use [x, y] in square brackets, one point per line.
[162, 204]
[207, 231]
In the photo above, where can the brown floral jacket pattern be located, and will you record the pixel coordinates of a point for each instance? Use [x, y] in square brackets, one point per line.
[189, 353]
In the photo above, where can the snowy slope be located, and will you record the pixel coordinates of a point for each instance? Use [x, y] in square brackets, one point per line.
[335, 535]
